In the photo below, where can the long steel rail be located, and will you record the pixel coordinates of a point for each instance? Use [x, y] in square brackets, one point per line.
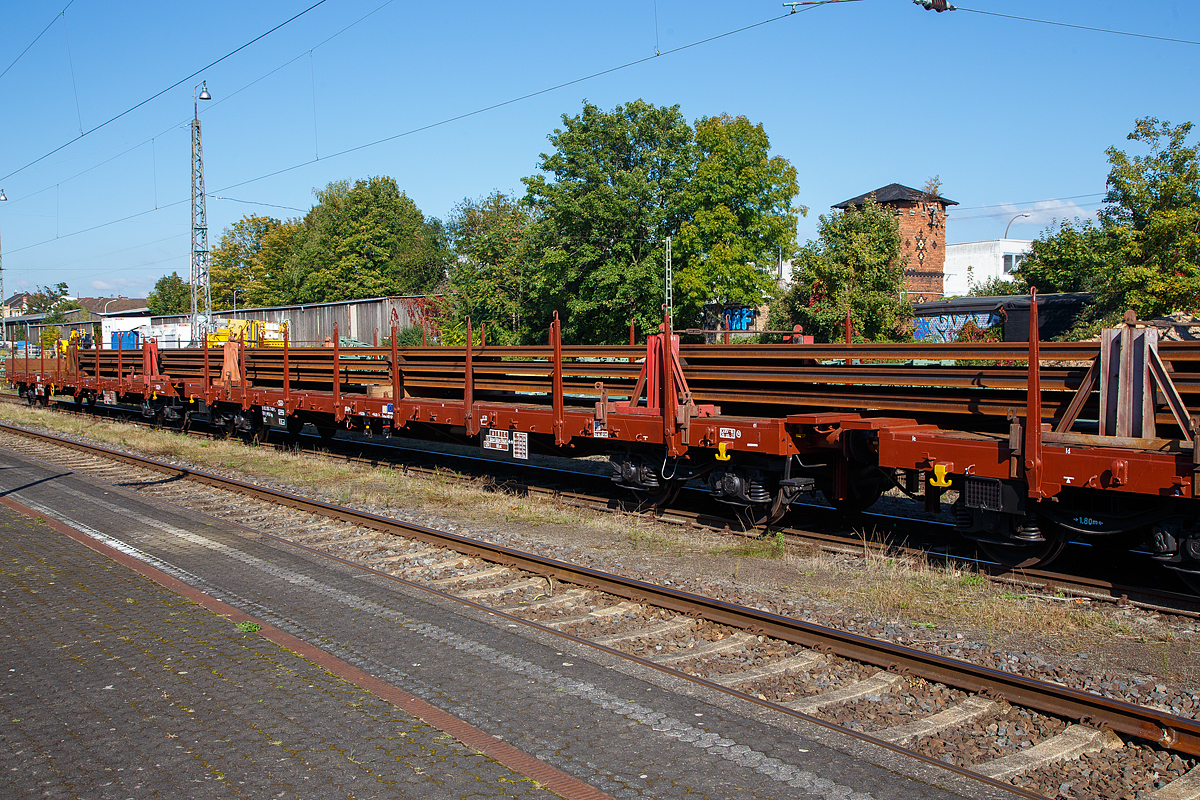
[1177, 734]
[1035, 580]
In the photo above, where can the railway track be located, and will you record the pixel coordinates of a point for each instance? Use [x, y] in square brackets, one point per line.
[996, 726]
[1049, 583]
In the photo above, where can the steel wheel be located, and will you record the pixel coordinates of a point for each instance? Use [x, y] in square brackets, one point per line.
[1024, 556]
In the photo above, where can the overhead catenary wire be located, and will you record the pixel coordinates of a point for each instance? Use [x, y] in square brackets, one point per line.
[442, 122]
[36, 38]
[225, 97]
[177, 83]
[1079, 27]
[71, 64]
[466, 115]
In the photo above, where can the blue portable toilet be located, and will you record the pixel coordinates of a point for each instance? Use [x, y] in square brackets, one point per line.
[124, 340]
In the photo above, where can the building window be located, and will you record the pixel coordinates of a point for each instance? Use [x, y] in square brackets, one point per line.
[1012, 262]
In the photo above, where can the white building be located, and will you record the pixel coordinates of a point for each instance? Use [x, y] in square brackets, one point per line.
[975, 263]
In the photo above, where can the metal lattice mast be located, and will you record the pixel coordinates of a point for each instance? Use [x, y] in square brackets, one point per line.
[201, 316]
[669, 283]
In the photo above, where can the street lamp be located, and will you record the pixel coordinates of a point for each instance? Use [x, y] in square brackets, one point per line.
[235, 294]
[1011, 221]
[201, 318]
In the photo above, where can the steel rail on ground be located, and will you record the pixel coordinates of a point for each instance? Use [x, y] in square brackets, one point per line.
[1177, 734]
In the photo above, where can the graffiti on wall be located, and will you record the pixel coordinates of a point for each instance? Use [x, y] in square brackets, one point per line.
[945, 327]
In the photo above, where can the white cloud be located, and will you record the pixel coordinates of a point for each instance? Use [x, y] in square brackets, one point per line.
[1041, 213]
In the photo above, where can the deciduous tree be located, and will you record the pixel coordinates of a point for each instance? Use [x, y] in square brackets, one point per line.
[614, 188]
[367, 240]
[854, 267]
[171, 295]
[740, 219]
[487, 281]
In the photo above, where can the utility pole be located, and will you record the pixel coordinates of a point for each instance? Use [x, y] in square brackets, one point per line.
[3, 308]
[201, 317]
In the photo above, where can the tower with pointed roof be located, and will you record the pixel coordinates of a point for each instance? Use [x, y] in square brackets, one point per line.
[922, 219]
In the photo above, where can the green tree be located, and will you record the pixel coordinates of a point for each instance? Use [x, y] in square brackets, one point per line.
[487, 281]
[170, 296]
[1145, 252]
[1073, 258]
[1152, 220]
[854, 266]
[740, 218]
[278, 268]
[45, 298]
[611, 192]
[237, 262]
[365, 240]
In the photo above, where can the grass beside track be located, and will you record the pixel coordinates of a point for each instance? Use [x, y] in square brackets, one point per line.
[866, 591]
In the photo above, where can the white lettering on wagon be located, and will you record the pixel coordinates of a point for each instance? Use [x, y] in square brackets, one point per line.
[495, 439]
[730, 433]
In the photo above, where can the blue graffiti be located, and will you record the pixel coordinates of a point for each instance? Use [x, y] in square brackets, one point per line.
[945, 327]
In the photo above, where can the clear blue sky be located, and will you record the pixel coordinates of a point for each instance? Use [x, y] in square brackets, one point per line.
[1013, 115]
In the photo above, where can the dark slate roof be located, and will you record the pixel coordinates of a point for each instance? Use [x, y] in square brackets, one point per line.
[890, 194]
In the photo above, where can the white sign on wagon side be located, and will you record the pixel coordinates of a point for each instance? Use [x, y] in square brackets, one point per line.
[520, 444]
[513, 443]
[495, 439]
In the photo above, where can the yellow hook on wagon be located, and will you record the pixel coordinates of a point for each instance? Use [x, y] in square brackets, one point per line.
[939, 476]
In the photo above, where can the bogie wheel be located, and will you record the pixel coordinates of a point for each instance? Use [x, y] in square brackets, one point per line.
[761, 516]
[1025, 556]
[661, 498]
[1191, 580]
[862, 496]
[255, 436]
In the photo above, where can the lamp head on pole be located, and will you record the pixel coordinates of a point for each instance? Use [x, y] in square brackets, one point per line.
[2, 197]
[204, 95]
[1011, 221]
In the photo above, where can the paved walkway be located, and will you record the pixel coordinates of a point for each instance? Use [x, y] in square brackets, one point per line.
[115, 685]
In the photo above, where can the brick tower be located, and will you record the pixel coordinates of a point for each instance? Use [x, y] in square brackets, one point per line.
[922, 221]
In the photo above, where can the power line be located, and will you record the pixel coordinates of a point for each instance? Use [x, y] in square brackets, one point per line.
[448, 120]
[35, 39]
[511, 101]
[1079, 27]
[213, 104]
[253, 203]
[1032, 202]
[164, 91]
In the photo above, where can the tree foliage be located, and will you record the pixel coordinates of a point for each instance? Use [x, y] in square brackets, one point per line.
[854, 267]
[1145, 252]
[45, 298]
[618, 187]
[171, 295]
[1152, 219]
[619, 183]
[237, 263]
[487, 281]
[365, 240]
[740, 219]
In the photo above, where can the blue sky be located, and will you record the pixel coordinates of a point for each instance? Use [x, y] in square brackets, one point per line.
[1014, 116]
